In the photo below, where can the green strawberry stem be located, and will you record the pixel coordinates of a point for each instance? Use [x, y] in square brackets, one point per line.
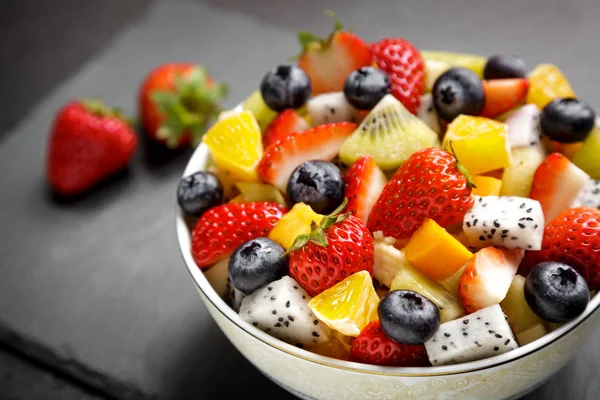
[189, 108]
[98, 108]
[317, 232]
[307, 38]
[461, 167]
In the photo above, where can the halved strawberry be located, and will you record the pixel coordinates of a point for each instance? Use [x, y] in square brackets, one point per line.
[487, 277]
[319, 143]
[288, 121]
[329, 61]
[502, 95]
[364, 183]
[556, 184]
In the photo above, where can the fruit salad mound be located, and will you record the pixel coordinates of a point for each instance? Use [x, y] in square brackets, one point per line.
[390, 206]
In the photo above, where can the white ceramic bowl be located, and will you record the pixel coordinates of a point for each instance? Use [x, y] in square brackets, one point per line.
[310, 376]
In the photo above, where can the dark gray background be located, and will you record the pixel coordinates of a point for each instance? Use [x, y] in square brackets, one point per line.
[94, 300]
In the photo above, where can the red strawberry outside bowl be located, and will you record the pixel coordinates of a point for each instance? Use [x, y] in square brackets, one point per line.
[312, 376]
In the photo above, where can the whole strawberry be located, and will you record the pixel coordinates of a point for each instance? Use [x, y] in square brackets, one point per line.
[220, 230]
[430, 184]
[572, 238]
[337, 248]
[177, 101]
[88, 142]
[373, 346]
[405, 67]
[329, 61]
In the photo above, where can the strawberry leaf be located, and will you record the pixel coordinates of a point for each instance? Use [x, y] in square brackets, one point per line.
[300, 241]
[307, 38]
[461, 167]
[338, 26]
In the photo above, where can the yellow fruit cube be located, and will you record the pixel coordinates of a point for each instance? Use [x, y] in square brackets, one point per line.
[260, 192]
[486, 186]
[546, 83]
[471, 61]
[296, 222]
[235, 145]
[435, 252]
[480, 143]
[348, 306]
[238, 199]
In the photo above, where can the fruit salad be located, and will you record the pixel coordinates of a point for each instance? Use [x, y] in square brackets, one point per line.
[382, 204]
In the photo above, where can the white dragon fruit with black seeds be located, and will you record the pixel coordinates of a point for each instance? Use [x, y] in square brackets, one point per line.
[428, 114]
[524, 127]
[589, 195]
[329, 108]
[281, 310]
[505, 221]
[235, 296]
[483, 334]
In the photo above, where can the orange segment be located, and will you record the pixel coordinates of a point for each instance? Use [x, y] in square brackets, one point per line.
[296, 222]
[480, 143]
[486, 186]
[546, 83]
[235, 145]
[436, 252]
[348, 306]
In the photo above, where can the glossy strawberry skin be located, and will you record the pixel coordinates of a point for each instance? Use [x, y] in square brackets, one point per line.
[427, 185]
[405, 66]
[222, 229]
[364, 183]
[287, 122]
[572, 238]
[349, 250]
[84, 148]
[373, 346]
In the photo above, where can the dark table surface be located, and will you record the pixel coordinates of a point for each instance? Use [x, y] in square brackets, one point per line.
[94, 289]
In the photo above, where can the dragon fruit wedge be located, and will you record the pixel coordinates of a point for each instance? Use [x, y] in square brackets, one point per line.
[589, 195]
[504, 221]
[328, 108]
[483, 334]
[524, 127]
[428, 114]
[281, 310]
[235, 296]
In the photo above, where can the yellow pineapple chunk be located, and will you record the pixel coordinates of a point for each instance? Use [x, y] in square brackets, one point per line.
[435, 252]
[480, 143]
[296, 222]
[546, 83]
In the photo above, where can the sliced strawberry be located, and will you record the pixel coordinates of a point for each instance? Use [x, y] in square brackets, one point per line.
[364, 183]
[329, 61]
[319, 143]
[502, 95]
[288, 121]
[220, 230]
[373, 346]
[487, 277]
[556, 184]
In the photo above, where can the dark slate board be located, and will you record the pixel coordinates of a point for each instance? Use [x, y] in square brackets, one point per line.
[96, 286]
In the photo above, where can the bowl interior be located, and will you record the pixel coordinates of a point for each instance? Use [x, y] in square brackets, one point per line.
[198, 162]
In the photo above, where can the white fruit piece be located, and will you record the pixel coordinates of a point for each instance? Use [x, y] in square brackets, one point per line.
[589, 195]
[235, 297]
[505, 221]
[428, 114]
[388, 259]
[328, 108]
[281, 310]
[524, 127]
[477, 336]
[217, 277]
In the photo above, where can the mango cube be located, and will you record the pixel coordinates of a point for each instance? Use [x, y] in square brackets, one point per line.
[486, 186]
[435, 252]
[296, 222]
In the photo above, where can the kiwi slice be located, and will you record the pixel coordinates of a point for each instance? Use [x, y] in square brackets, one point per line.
[473, 62]
[260, 192]
[586, 157]
[410, 278]
[389, 134]
[263, 114]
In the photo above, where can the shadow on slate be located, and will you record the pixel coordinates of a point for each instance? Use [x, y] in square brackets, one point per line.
[99, 284]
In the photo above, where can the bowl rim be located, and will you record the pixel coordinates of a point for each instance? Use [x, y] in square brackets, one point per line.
[198, 162]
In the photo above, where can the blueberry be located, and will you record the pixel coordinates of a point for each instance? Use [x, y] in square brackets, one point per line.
[567, 120]
[408, 317]
[285, 86]
[504, 67]
[458, 91]
[198, 192]
[319, 184]
[365, 86]
[556, 292]
[256, 263]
